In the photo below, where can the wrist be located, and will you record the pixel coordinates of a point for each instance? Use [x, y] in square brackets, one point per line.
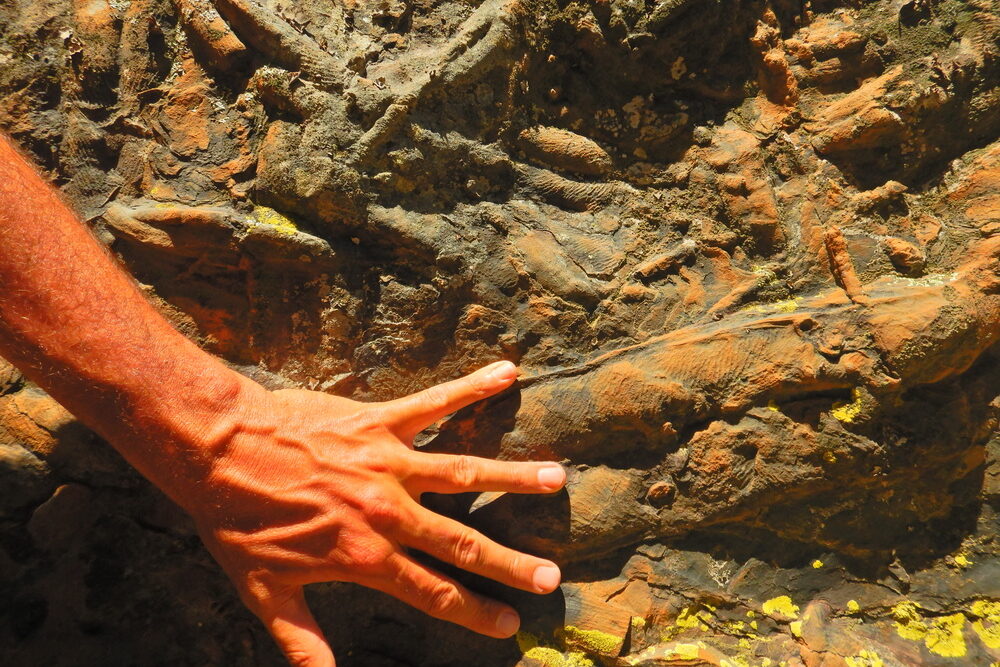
[176, 437]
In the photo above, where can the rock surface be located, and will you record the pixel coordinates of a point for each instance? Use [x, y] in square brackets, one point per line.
[745, 253]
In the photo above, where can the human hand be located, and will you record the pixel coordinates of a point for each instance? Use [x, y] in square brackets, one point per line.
[286, 487]
[311, 487]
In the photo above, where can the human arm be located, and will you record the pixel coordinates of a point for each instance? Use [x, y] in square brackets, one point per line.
[286, 487]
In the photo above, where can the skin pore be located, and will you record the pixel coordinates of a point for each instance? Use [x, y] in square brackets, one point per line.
[286, 487]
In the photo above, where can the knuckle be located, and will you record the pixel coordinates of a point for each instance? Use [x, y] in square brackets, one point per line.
[435, 399]
[517, 568]
[464, 471]
[369, 560]
[468, 550]
[383, 513]
[298, 657]
[372, 417]
[478, 385]
[444, 600]
[257, 594]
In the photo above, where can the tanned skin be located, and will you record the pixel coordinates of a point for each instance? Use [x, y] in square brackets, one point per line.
[286, 487]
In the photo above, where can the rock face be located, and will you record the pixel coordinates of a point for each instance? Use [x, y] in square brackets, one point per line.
[747, 255]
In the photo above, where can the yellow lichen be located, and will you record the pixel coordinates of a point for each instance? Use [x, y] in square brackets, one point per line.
[987, 625]
[771, 405]
[549, 657]
[637, 623]
[667, 652]
[744, 661]
[943, 636]
[962, 560]
[783, 306]
[265, 215]
[817, 564]
[577, 659]
[526, 641]
[848, 412]
[158, 191]
[781, 606]
[687, 651]
[929, 280]
[740, 629]
[909, 624]
[694, 617]
[853, 606]
[796, 628]
[866, 658]
[592, 641]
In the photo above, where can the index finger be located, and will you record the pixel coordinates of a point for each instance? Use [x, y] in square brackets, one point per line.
[410, 415]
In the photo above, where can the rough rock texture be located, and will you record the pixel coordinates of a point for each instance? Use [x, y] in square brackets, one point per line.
[746, 254]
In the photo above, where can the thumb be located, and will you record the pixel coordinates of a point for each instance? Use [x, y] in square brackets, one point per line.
[297, 634]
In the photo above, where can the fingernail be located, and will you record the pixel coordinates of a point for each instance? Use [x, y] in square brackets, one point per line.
[508, 623]
[552, 477]
[546, 578]
[502, 371]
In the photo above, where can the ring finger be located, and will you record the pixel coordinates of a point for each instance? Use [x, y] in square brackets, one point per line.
[452, 542]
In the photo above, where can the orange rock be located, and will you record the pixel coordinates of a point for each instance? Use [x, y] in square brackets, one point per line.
[211, 32]
[907, 257]
[185, 114]
[860, 119]
[565, 150]
[98, 29]
[842, 265]
[774, 74]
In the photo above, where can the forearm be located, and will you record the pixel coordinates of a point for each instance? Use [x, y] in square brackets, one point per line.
[77, 325]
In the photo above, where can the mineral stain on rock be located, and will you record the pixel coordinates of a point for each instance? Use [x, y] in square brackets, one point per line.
[745, 254]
